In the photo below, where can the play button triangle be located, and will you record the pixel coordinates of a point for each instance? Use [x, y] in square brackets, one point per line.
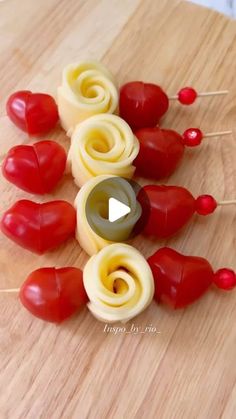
[117, 210]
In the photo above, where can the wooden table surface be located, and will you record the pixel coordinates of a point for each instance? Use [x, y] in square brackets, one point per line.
[78, 370]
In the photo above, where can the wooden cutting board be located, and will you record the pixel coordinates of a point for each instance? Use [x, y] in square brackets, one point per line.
[78, 370]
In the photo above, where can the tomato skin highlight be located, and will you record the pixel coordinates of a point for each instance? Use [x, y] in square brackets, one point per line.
[51, 158]
[160, 152]
[39, 227]
[16, 108]
[170, 208]
[20, 167]
[54, 294]
[34, 113]
[42, 113]
[179, 280]
[142, 104]
[37, 168]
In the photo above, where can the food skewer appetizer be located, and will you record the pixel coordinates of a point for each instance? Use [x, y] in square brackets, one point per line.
[161, 149]
[117, 284]
[142, 104]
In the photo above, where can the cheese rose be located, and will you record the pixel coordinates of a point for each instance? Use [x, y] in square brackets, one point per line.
[87, 89]
[93, 201]
[118, 282]
[103, 144]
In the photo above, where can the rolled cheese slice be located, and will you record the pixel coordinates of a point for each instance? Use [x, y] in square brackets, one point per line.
[94, 230]
[103, 144]
[87, 89]
[118, 282]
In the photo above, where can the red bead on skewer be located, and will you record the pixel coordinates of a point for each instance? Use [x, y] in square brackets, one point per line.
[205, 204]
[193, 137]
[188, 95]
[225, 279]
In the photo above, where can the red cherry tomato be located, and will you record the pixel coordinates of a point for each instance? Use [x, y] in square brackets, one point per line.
[160, 152]
[39, 227]
[35, 113]
[53, 294]
[142, 104]
[170, 208]
[37, 168]
[179, 280]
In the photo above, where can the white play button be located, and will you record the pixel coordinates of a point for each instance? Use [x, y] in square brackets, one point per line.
[117, 210]
[112, 208]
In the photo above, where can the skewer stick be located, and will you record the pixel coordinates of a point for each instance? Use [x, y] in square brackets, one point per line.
[219, 93]
[204, 94]
[217, 134]
[10, 290]
[174, 97]
[229, 202]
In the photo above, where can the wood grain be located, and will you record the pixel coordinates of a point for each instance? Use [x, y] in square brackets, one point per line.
[77, 370]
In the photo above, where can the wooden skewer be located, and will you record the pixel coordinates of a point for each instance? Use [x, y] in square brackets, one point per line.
[217, 134]
[229, 202]
[204, 94]
[10, 290]
[219, 93]
[174, 97]
[17, 290]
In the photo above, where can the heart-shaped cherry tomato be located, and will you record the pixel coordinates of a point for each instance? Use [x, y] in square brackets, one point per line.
[35, 113]
[160, 152]
[142, 104]
[179, 280]
[39, 227]
[37, 168]
[54, 294]
[170, 208]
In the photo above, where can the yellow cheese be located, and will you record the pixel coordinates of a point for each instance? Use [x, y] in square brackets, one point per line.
[119, 283]
[87, 89]
[103, 144]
